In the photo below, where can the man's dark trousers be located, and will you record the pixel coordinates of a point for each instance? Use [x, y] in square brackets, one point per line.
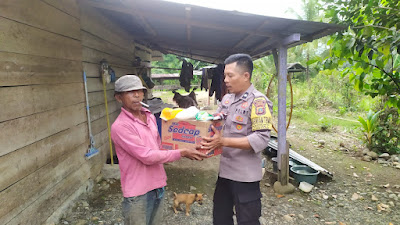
[245, 196]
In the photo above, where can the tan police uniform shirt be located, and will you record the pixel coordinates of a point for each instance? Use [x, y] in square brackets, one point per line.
[249, 115]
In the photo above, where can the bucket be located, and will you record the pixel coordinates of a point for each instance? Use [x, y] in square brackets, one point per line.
[304, 173]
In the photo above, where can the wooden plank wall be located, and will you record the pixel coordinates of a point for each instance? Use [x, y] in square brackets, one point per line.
[42, 119]
[43, 122]
[103, 39]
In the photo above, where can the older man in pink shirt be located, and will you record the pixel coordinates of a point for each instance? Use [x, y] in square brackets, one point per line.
[138, 144]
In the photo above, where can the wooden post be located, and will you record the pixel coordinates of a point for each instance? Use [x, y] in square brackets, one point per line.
[283, 175]
[282, 79]
[283, 148]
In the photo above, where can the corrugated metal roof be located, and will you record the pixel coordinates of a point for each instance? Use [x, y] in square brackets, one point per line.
[206, 34]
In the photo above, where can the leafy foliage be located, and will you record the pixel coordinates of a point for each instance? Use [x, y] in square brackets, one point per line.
[386, 138]
[368, 51]
[310, 11]
[324, 124]
[329, 90]
[264, 69]
[369, 125]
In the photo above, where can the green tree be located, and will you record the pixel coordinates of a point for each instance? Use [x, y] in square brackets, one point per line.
[386, 138]
[264, 68]
[310, 11]
[368, 51]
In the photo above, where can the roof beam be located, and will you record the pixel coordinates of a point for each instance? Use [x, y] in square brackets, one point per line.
[113, 7]
[287, 41]
[290, 39]
[271, 41]
[249, 35]
[232, 50]
[203, 58]
[147, 27]
[194, 46]
[318, 34]
[264, 44]
[240, 42]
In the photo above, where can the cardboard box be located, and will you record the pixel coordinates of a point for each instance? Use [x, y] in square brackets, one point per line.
[176, 134]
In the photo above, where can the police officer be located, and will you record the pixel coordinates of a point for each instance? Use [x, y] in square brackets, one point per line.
[246, 133]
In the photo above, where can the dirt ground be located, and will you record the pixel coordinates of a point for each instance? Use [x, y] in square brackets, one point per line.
[359, 193]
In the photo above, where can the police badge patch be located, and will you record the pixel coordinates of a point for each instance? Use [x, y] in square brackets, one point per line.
[239, 118]
[260, 115]
[259, 104]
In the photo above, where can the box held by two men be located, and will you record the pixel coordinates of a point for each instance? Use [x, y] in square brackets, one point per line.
[177, 134]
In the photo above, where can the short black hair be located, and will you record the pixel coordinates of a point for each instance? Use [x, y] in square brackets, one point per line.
[242, 60]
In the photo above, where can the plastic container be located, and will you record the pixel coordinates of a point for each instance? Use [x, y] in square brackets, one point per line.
[292, 162]
[295, 162]
[304, 173]
[168, 113]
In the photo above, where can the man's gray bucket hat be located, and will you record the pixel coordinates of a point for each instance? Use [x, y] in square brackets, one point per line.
[129, 83]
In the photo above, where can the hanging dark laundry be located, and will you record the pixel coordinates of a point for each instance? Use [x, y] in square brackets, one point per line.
[190, 70]
[204, 79]
[186, 75]
[224, 89]
[214, 83]
[217, 82]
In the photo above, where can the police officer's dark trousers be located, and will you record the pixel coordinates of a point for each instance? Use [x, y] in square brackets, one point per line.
[245, 196]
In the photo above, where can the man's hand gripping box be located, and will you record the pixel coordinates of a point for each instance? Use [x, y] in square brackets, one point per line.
[177, 134]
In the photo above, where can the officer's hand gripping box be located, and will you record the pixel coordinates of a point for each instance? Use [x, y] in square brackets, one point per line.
[177, 134]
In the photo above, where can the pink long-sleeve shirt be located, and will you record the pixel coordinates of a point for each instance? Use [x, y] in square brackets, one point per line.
[138, 149]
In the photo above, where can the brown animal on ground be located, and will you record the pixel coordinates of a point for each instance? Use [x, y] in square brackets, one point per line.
[193, 95]
[188, 199]
[185, 101]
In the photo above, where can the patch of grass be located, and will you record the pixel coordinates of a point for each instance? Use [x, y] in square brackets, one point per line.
[324, 120]
[166, 96]
[309, 116]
